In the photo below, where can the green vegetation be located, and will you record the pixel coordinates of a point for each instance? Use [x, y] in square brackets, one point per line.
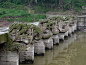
[21, 10]
[13, 12]
[45, 5]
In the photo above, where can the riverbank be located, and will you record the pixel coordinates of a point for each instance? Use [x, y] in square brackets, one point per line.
[10, 12]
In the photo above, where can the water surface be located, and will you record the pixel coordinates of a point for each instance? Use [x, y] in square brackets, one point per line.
[70, 52]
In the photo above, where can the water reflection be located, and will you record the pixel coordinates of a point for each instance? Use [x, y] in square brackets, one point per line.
[64, 53]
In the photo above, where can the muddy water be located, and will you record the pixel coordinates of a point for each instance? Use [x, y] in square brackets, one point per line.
[70, 52]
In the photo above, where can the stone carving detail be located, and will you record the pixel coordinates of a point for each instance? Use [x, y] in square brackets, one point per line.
[46, 32]
[20, 32]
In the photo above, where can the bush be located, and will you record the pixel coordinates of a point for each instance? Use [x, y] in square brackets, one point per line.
[2, 12]
[12, 12]
[8, 5]
[10, 19]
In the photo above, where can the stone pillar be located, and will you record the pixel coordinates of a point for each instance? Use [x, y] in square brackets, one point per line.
[61, 36]
[70, 31]
[39, 48]
[27, 56]
[66, 34]
[9, 58]
[73, 28]
[55, 39]
[48, 43]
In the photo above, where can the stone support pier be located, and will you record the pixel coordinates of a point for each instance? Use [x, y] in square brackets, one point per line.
[9, 58]
[48, 43]
[39, 48]
[27, 56]
[55, 39]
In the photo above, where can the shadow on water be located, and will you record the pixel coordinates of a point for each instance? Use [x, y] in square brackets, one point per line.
[70, 52]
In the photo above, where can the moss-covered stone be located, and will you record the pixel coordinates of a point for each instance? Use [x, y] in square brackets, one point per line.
[21, 33]
[41, 21]
[53, 18]
[37, 32]
[50, 24]
[3, 38]
[47, 34]
[60, 18]
[27, 30]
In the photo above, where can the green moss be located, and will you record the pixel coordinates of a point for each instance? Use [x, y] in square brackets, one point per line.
[11, 46]
[59, 18]
[52, 18]
[50, 23]
[3, 38]
[37, 30]
[66, 21]
[23, 30]
[9, 43]
[16, 25]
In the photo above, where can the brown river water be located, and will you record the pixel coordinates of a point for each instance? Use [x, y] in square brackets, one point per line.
[70, 52]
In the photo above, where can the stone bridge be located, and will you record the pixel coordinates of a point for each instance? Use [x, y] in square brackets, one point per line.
[29, 39]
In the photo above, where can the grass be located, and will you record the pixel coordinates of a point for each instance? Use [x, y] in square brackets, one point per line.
[14, 12]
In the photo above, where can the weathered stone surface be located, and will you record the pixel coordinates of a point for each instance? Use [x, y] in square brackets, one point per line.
[70, 31]
[55, 39]
[61, 36]
[75, 27]
[48, 43]
[27, 56]
[19, 32]
[9, 58]
[39, 48]
[84, 9]
[43, 24]
[63, 27]
[66, 34]
[47, 34]
[3, 35]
